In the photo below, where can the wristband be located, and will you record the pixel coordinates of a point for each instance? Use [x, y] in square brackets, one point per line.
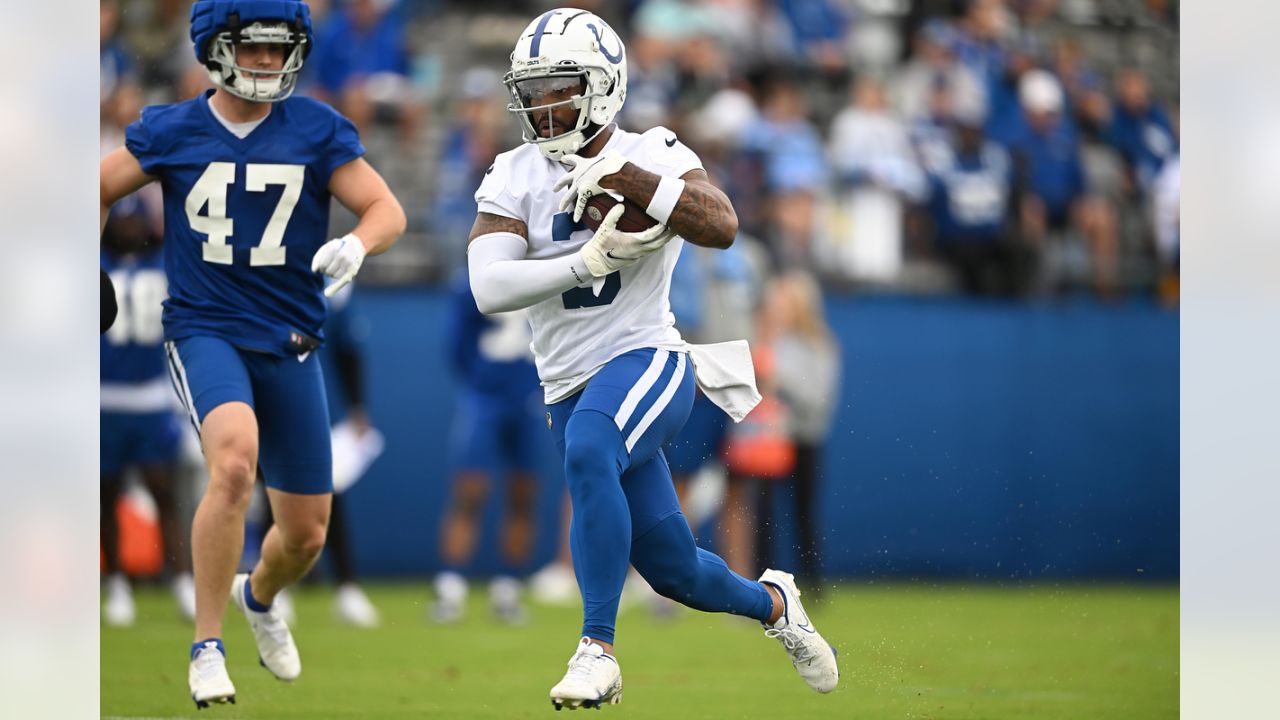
[665, 199]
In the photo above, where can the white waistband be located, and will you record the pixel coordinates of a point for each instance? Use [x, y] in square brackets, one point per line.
[152, 396]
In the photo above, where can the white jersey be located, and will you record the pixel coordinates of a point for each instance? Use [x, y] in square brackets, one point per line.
[577, 332]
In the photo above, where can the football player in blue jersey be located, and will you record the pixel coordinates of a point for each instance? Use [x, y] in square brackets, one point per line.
[139, 428]
[247, 173]
[498, 421]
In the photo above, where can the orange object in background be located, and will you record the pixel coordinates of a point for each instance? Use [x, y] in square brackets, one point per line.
[141, 545]
[759, 446]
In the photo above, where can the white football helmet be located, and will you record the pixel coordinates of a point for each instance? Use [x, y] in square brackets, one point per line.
[559, 49]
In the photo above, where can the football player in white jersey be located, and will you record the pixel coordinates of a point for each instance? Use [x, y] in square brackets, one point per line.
[615, 372]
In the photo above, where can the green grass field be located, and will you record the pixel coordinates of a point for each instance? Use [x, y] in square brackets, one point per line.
[906, 651]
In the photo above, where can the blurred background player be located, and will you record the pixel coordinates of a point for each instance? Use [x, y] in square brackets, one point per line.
[139, 427]
[356, 444]
[248, 173]
[496, 427]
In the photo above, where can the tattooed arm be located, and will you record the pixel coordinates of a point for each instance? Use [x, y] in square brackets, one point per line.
[703, 215]
[489, 223]
[502, 279]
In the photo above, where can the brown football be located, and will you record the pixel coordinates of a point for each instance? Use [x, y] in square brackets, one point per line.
[634, 218]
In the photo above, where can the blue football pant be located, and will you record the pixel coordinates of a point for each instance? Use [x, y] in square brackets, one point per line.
[625, 508]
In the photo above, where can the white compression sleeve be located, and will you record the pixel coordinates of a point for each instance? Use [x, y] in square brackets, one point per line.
[502, 280]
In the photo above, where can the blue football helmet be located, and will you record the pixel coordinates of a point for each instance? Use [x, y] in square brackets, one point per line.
[217, 26]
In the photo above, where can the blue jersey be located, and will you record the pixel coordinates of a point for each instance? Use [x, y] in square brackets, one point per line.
[244, 217]
[970, 194]
[489, 353]
[1051, 165]
[132, 352]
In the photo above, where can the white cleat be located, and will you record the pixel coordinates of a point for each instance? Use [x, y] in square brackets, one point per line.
[119, 610]
[504, 598]
[593, 679]
[276, 649]
[352, 607]
[207, 677]
[451, 598]
[184, 593]
[812, 656]
[555, 585]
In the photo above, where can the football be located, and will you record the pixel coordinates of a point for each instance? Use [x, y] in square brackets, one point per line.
[634, 218]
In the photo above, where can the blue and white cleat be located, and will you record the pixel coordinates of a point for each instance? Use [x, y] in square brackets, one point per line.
[207, 677]
[812, 656]
[276, 649]
[593, 679]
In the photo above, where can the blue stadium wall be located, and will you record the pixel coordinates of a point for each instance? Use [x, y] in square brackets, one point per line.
[974, 440]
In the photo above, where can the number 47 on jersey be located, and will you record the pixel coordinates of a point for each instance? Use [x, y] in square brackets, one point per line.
[211, 190]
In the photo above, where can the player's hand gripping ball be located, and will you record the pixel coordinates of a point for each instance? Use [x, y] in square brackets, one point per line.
[610, 249]
[634, 219]
[583, 181]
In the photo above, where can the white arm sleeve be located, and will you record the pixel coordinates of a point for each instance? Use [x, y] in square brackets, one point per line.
[502, 280]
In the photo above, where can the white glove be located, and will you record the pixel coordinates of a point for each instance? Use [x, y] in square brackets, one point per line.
[339, 259]
[610, 250]
[583, 179]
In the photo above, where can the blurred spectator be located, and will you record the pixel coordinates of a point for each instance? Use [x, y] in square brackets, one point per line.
[932, 63]
[806, 378]
[1006, 118]
[715, 131]
[119, 94]
[704, 67]
[789, 149]
[755, 33]
[1166, 201]
[1077, 78]
[652, 82]
[713, 295]
[875, 170]
[115, 68]
[361, 64]
[818, 28]
[1055, 206]
[985, 25]
[758, 451]
[1140, 129]
[469, 147]
[971, 184]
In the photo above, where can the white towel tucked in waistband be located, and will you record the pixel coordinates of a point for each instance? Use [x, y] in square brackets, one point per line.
[725, 373]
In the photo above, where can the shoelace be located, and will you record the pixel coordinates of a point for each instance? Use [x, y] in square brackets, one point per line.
[793, 642]
[208, 664]
[582, 664]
